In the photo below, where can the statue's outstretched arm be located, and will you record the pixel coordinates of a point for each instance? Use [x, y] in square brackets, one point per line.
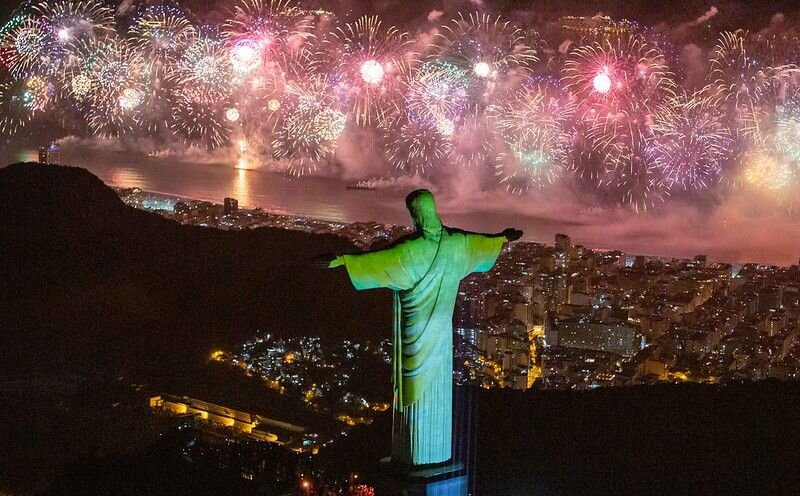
[482, 250]
[510, 233]
[383, 268]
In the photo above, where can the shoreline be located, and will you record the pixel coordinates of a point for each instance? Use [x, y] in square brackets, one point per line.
[283, 212]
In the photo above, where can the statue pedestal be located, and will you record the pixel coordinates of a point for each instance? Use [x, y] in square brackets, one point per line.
[441, 480]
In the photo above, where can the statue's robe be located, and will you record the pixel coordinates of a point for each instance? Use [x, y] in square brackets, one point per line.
[424, 270]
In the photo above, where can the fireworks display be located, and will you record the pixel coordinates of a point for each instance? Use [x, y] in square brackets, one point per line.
[162, 34]
[15, 111]
[606, 110]
[368, 59]
[534, 126]
[486, 49]
[691, 143]
[311, 123]
[416, 147]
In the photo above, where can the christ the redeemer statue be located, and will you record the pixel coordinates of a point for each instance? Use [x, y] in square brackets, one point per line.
[424, 270]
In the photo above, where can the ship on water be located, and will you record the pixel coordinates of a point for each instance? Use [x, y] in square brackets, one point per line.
[366, 184]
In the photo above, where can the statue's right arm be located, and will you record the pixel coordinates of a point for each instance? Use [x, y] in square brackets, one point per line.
[383, 268]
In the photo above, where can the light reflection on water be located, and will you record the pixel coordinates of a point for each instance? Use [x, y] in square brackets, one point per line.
[129, 177]
[319, 197]
[241, 189]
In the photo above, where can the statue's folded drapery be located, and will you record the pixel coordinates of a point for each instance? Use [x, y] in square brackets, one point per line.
[424, 271]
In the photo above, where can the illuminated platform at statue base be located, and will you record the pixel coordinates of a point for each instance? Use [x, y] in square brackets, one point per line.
[448, 479]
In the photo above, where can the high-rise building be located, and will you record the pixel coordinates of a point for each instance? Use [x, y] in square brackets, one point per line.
[53, 154]
[791, 297]
[563, 242]
[231, 206]
[775, 322]
[770, 298]
[524, 312]
[581, 333]
[550, 329]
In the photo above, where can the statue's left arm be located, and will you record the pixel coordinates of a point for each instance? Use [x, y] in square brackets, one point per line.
[482, 250]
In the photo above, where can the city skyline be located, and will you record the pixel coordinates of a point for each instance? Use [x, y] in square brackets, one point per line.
[541, 298]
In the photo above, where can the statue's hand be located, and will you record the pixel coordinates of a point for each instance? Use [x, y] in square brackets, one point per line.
[512, 234]
[327, 261]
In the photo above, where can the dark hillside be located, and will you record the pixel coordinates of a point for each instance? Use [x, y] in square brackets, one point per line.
[85, 278]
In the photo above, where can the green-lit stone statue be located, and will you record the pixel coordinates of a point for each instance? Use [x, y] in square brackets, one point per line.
[424, 270]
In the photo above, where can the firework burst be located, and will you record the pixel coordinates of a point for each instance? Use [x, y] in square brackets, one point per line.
[787, 128]
[437, 94]
[473, 141]
[310, 124]
[206, 65]
[108, 79]
[154, 115]
[25, 45]
[620, 82]
[768, 171]
[741, 83]
[534, 126]
[15, 110]
[161, 33]
[369, 59]
[691, 145]
[617, 75]
[270, 35]
[198, 116]
[415, 146]
[67, 23]
[76, 20]
[486, 48]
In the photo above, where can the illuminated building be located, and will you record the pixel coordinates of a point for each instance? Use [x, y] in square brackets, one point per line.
[563, 242]
[241, 423]
[769, 298]
[602, 336]
[197, 211]
[231, 206]
[775, 322]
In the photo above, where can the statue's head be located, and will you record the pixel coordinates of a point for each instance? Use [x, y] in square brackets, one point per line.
[422, 208]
